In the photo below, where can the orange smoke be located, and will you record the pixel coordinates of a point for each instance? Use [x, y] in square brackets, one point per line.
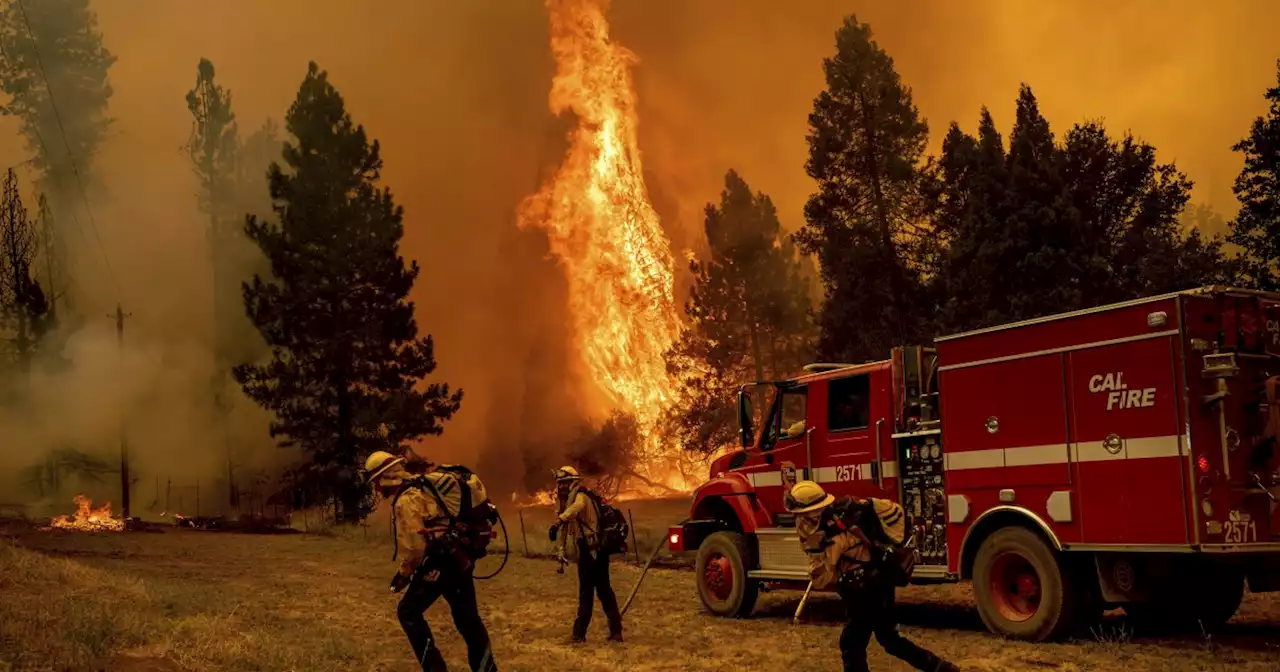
[605, 233]
[89, 519]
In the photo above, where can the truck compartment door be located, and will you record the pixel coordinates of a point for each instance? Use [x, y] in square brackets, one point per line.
[1126, 444]
[1006, 424]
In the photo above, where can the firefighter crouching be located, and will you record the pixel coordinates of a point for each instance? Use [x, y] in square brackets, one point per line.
[579, 518]
[850, 545]
[432, 561]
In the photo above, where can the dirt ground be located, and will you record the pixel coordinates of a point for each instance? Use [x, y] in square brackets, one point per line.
[191, 600]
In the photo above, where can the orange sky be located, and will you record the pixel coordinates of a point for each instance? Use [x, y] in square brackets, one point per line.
[456, 92]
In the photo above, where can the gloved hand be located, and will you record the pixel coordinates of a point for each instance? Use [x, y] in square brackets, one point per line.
[552, 532]
[398, 582]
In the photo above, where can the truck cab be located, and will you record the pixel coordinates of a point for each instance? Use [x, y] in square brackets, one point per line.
[1066, 464]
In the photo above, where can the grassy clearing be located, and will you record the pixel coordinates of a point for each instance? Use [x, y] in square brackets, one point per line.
[188, 600]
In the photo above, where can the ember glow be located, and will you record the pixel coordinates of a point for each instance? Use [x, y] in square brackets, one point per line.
[606, 235]
[89, 519]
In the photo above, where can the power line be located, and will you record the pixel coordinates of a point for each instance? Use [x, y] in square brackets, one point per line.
[93, 224]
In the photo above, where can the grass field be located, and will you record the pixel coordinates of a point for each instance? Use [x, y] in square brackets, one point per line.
[190, 600]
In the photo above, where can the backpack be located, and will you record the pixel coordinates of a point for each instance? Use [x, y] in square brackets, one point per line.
[613, 529]
[475, 520]
[884, 523]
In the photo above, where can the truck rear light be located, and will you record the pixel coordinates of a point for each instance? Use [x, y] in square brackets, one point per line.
[1206, 485]
[1202, 463]
[675, 539]
[1206, 507]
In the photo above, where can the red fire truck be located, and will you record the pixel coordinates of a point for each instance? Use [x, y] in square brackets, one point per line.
[1119, 456]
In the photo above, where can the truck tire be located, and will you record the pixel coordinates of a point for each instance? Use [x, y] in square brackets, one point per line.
[723, 561]
[1022, 590]
[1197, 602]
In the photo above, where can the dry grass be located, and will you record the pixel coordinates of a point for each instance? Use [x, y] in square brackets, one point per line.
[188, 600]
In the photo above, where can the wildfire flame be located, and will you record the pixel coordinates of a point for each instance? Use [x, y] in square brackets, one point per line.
[606, 234]
[89, 519]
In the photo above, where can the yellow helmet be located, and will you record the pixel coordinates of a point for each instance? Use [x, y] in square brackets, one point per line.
[379, 462]
[806, 497]
[567, 474]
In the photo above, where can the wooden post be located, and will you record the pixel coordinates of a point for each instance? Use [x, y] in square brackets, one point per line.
[523, 538]
[634, 546]
[124, 441]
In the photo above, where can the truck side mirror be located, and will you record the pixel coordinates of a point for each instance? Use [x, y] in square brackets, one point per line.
[746, 433]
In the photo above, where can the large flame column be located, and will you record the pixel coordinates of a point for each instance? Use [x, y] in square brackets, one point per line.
[601, 226]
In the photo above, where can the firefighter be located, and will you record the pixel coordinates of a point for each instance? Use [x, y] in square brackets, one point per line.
[432, 563]
[837, 540]
[579, 518]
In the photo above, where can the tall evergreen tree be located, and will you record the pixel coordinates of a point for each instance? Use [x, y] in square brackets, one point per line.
[1049, 227]
[211, 149]
[55, 75]
[748, 315]
[1256, 228]
[866, 140]
[347, 360]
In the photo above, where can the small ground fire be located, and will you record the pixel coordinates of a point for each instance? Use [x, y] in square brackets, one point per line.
[89, 519]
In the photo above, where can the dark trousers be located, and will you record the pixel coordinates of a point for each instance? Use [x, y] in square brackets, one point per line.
[459, 590]
[871, 611]
[593, 580]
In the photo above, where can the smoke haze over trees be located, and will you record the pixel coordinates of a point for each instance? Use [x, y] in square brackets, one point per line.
[464, 144]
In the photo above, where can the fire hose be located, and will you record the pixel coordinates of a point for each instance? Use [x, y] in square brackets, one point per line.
[506, 551]
[636, 588]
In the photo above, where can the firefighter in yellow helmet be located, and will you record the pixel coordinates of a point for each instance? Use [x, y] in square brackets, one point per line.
[579, 517]
[431, 563]
[848, 543]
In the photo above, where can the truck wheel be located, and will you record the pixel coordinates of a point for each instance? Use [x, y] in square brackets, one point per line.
[1022, 591]
[723, 561]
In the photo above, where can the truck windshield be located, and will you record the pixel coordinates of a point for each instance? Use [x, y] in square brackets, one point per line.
[788, 422]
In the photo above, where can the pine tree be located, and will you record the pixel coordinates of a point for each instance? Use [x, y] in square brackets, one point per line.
[212, 151]
[55, 75]
[1256, 228]
[347, 359]
[866, 140]
[748, 315]
[1049, 227]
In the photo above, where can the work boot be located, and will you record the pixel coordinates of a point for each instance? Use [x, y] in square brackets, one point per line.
[946, 666]
[575, 638]
[615, 636]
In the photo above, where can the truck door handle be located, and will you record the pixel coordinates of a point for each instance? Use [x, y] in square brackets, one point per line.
[875, 470]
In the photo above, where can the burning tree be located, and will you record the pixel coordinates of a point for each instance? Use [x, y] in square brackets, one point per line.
[606, 235]
[347, 360]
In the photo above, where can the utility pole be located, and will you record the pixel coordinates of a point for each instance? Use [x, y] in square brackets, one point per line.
[124, 437]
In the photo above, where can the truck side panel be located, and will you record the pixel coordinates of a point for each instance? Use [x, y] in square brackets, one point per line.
[1101, 325]
[1126, 444]
[1002, 415]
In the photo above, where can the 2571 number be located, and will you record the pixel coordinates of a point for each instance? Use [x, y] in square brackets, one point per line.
[1239, 531]
[849, 472]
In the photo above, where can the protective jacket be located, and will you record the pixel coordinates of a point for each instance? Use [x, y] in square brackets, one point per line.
[832, 555]
[579, 519]
[415, 509]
